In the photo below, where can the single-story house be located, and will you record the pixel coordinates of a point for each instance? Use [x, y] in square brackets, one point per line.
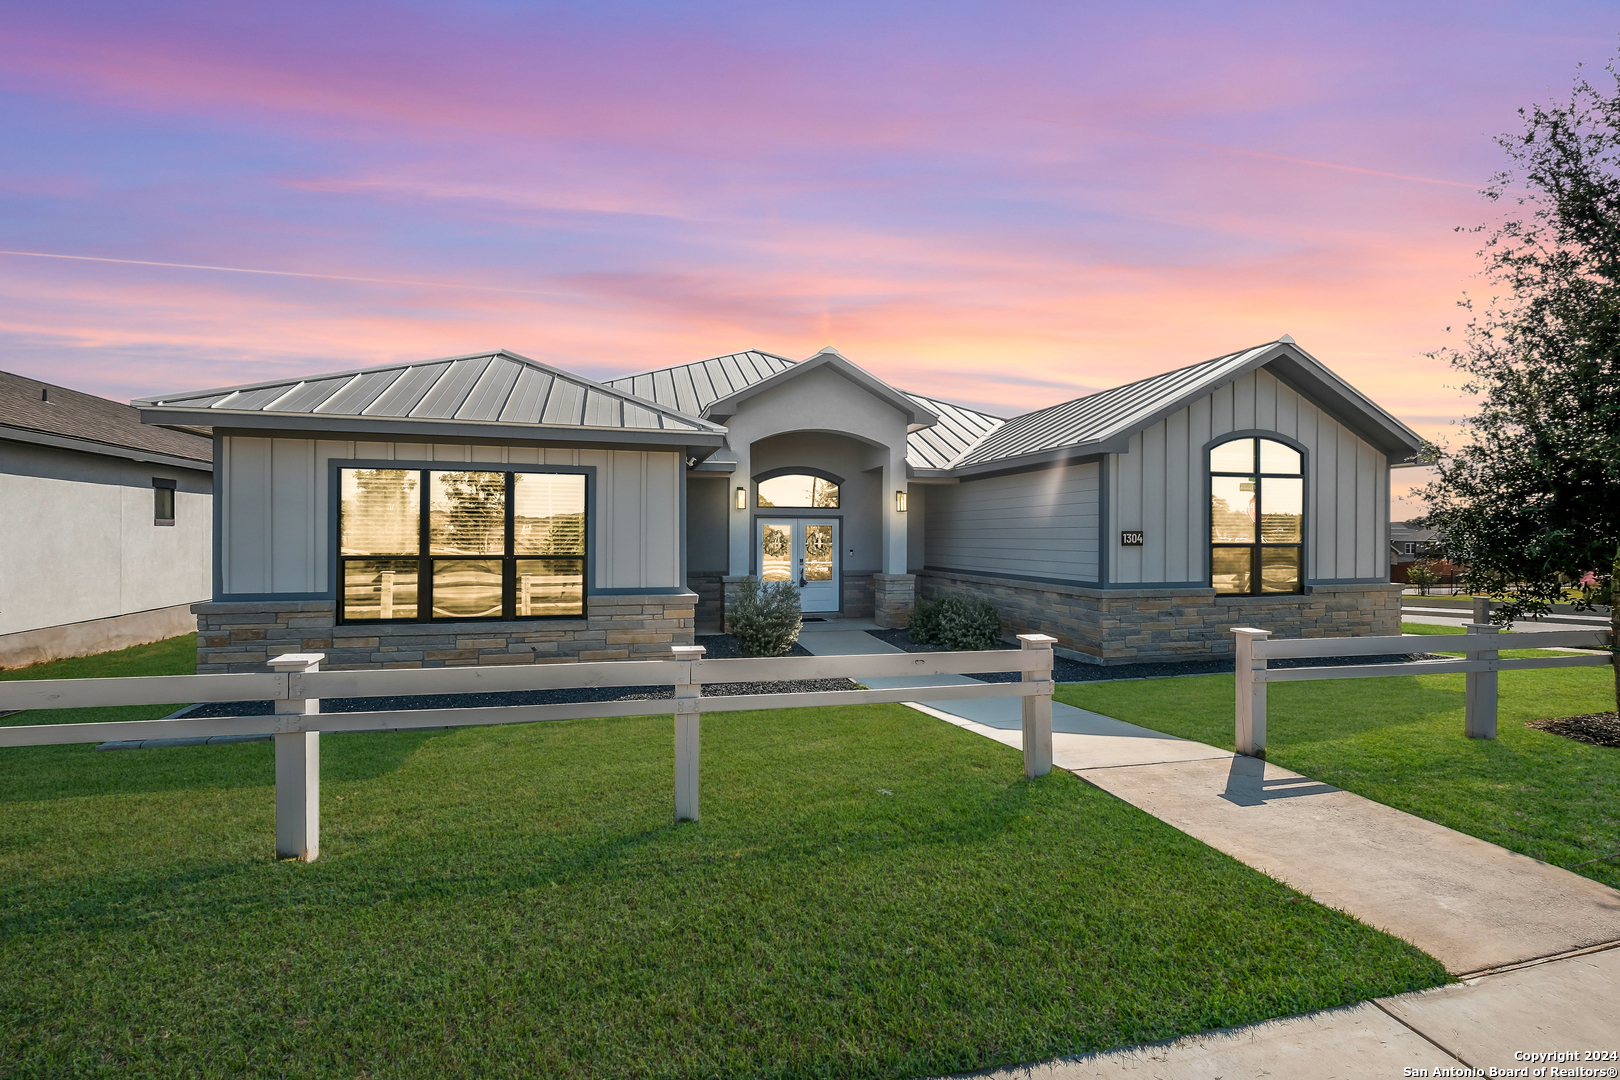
[493, 509]
[105, 524]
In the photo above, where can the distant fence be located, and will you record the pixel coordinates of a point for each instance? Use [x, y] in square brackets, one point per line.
[297, 685]
[1480, 664]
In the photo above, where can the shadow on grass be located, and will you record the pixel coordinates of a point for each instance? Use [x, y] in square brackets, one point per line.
[36, 773]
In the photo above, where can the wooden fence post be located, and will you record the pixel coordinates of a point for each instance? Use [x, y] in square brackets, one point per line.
[1038, 709]
[1479, 687]
[298, 768]
[1251, 693]
[687, 729]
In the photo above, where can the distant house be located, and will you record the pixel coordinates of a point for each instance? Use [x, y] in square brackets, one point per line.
[492, 509]
[105, 524]
[1408, 543]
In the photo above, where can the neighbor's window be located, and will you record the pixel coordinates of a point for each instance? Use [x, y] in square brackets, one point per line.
[162, 501]
[423, 544]
[1256, 518]
[797, 489]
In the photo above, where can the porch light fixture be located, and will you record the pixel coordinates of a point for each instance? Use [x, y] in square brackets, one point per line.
[900, 501]
[742, 498]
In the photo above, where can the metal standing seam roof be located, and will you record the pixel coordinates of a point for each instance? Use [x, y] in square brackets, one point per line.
[1103, 415]
[694, 387]
[497, 387]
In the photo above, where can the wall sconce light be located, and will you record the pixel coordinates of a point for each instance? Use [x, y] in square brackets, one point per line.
[900, 501]
[742, 498]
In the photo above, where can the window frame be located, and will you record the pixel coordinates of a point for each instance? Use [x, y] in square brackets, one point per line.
[163, 486]
[425, 559]
[1259, 476]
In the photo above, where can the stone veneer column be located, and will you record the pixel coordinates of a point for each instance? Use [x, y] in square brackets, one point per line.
[244, 636]
[894, 596]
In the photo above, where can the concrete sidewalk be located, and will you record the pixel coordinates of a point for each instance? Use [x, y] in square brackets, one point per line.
[1511, 927]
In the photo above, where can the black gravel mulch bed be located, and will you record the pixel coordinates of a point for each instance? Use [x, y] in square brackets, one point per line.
[1598, 729]
[1066, 670]
[720, 646]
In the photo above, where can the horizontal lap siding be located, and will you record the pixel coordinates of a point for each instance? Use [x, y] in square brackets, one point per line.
[1034, 524]
[275, 529]
[1158, 487]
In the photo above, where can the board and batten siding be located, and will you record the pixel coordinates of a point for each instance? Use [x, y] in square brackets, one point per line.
[1040, 524]
[1158, 487]
[274, 528]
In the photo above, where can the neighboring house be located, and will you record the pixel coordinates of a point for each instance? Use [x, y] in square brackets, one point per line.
[104, 524]
[491, 509]
[1408, 543]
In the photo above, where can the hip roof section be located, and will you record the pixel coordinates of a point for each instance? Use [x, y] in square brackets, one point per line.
[495, 391]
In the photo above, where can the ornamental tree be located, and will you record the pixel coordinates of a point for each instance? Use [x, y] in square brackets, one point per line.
[1530, 505]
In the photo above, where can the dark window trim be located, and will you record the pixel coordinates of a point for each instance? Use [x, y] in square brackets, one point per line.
[425, 558]
[160, 486]
[1256, 587]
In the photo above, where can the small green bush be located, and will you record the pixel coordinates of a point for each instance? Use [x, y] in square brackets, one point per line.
[1423, 575]
[764, 617]
[956, 623]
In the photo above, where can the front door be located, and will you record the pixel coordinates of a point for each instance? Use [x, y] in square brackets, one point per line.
[805, 552]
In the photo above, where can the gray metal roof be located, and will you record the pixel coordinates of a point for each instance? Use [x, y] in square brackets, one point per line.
[1098, 416]
[483, 389]
[958, 429]
[691, 388]
[695, 387]
[1105, 421]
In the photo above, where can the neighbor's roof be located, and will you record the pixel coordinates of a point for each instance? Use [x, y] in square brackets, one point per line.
[485, 394]
[1104, 422]
[694, 387]
[38, 412]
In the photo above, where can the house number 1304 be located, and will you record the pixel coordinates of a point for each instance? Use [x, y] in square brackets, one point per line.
[1131, 539]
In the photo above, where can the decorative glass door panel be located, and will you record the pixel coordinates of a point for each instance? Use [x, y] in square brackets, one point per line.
[805, 552]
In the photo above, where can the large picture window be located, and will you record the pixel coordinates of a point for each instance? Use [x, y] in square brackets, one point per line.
[418, 545]
[1256, 518]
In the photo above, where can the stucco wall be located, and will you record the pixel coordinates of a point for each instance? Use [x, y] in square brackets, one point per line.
[275, 520]
[858, 497]
[77, 539]
[1158, 487]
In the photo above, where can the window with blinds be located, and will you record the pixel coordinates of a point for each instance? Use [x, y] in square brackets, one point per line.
[419, 545]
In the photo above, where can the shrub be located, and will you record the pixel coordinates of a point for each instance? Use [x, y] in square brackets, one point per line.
[1423, 575]
[956, 623]
[764, 617]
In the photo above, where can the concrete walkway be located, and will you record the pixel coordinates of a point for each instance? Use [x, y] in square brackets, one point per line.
[1529, 940]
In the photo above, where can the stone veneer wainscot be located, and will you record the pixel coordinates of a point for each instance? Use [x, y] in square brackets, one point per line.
[245, 636]
[1128, 626]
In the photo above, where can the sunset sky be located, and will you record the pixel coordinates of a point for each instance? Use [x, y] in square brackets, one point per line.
[1003, 204]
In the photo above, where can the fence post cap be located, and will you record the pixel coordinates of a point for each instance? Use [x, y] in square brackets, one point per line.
[1252, 630]
[296, 660]
[1035, 641]
[1482, 628]
[688, 652]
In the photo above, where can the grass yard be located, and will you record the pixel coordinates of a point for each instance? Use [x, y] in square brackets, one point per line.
[175, 656]
[870, 893]
[1400, 741]
[1433, 629]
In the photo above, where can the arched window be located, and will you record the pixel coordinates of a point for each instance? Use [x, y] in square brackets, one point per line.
[798, 489]
[1256, 518]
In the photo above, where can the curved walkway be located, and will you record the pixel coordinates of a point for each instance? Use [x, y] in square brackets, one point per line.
[1533, 943]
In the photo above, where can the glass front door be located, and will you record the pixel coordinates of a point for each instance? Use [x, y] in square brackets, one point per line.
[805, 552]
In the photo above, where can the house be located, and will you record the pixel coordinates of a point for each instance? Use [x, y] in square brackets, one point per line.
[1408, 543]
[493, 509]
[104, 524]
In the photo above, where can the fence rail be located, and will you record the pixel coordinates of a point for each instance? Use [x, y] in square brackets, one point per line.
[297, 686]
[1480, 647]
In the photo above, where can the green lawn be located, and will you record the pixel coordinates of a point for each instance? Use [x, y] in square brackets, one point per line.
[1400, 740]
[176, 656]
[1429, 629]
[870, 893]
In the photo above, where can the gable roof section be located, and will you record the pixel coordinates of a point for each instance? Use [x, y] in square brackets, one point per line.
[692, 388]
[1105, 421]
[79, 421]
[495, 395]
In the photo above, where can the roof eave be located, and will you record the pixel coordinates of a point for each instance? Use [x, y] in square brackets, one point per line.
[1062, 455]
[414, 426]
[92, 446]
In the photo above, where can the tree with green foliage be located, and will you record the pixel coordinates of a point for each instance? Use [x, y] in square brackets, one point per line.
[1530, 506]
[1422, 574]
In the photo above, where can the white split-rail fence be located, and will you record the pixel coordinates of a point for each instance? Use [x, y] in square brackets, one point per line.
[297, 685]
[1480, 647]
